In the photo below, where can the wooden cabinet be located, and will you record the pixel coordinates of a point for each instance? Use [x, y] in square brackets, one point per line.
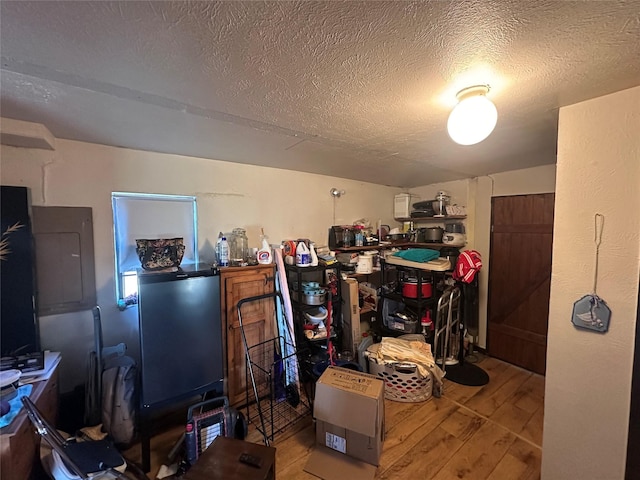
[19, 442]
[258, 320]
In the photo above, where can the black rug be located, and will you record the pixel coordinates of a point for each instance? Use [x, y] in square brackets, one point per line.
[467, 374]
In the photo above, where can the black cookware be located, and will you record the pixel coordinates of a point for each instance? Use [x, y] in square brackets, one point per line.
[433, 234]
[397, 237]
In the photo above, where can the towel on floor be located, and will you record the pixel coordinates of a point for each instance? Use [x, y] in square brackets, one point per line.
[418, 254]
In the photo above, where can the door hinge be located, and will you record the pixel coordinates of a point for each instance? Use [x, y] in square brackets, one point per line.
[268, 279]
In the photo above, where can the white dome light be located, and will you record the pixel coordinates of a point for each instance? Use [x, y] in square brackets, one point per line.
[473, 118]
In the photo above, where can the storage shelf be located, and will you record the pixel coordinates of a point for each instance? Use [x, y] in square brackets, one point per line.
[361, 249]
[315, 268]
[363, 275]
[387, 332]
[304, 306]
[429, 245]
[386, 246]
[431, 219]
[409, 301]
[316, 341]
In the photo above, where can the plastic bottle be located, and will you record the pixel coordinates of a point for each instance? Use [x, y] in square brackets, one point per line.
[359, 236]
[427, 326]
[220, 235]
[224, 253]
[264, 253]
[303, 258]
[191, 449]
[313, 254]
[346, 237]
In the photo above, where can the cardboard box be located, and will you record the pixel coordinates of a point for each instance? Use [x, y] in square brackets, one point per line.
[350, 315]
[349, 413]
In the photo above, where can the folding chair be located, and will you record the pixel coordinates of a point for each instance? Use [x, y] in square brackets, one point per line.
[71, 460]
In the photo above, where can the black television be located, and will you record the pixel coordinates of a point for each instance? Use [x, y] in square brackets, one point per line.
[19, 323]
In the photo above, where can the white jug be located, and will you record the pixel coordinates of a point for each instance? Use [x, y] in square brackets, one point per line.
[365, 264]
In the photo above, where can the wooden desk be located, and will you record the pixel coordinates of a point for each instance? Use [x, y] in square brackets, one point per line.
[220, 462]
[18, 441]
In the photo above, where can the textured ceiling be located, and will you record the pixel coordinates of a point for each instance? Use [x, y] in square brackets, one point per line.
[359, 90]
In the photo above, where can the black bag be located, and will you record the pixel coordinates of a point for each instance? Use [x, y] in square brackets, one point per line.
[119, 399]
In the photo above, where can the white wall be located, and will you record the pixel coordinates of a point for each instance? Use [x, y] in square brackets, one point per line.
[588, 381]
[288, 205]
[527, 181]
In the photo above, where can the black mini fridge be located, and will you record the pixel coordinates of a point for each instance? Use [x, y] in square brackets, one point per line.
[180, 339]
[180, 333]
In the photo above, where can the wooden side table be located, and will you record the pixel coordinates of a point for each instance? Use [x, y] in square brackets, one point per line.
[220, 462]
[18, 441]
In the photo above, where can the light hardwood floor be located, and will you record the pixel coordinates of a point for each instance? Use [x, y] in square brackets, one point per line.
[492, 432]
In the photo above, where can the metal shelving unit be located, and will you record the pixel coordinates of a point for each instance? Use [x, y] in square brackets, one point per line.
[396, 273]
[296, 275]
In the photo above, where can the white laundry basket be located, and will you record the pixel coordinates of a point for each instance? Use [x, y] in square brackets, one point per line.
[403, 380]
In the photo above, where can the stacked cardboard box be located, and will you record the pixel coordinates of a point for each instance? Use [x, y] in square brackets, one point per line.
[349, 413]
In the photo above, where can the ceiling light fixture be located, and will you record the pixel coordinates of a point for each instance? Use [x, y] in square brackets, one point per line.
[474, 117]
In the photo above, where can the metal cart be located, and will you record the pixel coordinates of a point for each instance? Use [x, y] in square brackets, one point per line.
[448, 324]
[280, 397]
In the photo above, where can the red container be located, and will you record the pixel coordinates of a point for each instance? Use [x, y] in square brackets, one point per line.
[410, 289]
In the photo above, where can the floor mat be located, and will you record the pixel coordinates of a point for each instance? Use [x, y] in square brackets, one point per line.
[467, 374]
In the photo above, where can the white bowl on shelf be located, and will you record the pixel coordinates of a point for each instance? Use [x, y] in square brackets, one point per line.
[317, 316]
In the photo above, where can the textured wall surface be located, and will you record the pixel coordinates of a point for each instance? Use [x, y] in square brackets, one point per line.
[287, 204]
[588, 380]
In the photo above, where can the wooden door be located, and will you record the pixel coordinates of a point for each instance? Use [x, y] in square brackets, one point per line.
[520, 279]
[258, 320]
